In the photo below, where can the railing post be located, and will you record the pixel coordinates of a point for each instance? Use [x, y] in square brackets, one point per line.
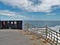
[27, 26]
[56, 38]
[46, 31]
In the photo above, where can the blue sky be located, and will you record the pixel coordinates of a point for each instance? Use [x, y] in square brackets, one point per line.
[30, 10]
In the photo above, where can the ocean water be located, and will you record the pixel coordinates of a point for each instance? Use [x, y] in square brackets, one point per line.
[43, 23]
[55, 25]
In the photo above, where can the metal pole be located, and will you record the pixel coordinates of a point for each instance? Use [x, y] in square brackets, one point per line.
[46, 31]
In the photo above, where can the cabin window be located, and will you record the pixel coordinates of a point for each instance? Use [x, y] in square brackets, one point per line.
[15, 22]
[11, 22]
[3, 23]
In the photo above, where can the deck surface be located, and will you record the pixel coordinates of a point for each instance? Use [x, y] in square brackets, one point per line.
[15, 37]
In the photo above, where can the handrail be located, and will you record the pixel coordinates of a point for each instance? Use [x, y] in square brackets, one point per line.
[53, 30]
[53, 36]
[50, 35]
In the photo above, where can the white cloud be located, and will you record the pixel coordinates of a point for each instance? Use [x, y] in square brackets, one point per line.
[51, 14]
[45, 6]
[12, 15]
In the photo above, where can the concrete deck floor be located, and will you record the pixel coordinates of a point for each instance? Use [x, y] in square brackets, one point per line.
[15, 37]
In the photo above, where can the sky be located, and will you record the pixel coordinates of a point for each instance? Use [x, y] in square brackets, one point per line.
[29, 9]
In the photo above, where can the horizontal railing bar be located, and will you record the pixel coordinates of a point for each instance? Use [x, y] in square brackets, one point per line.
[53, 30]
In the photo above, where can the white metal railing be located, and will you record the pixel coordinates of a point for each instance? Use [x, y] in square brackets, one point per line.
[48, 34]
